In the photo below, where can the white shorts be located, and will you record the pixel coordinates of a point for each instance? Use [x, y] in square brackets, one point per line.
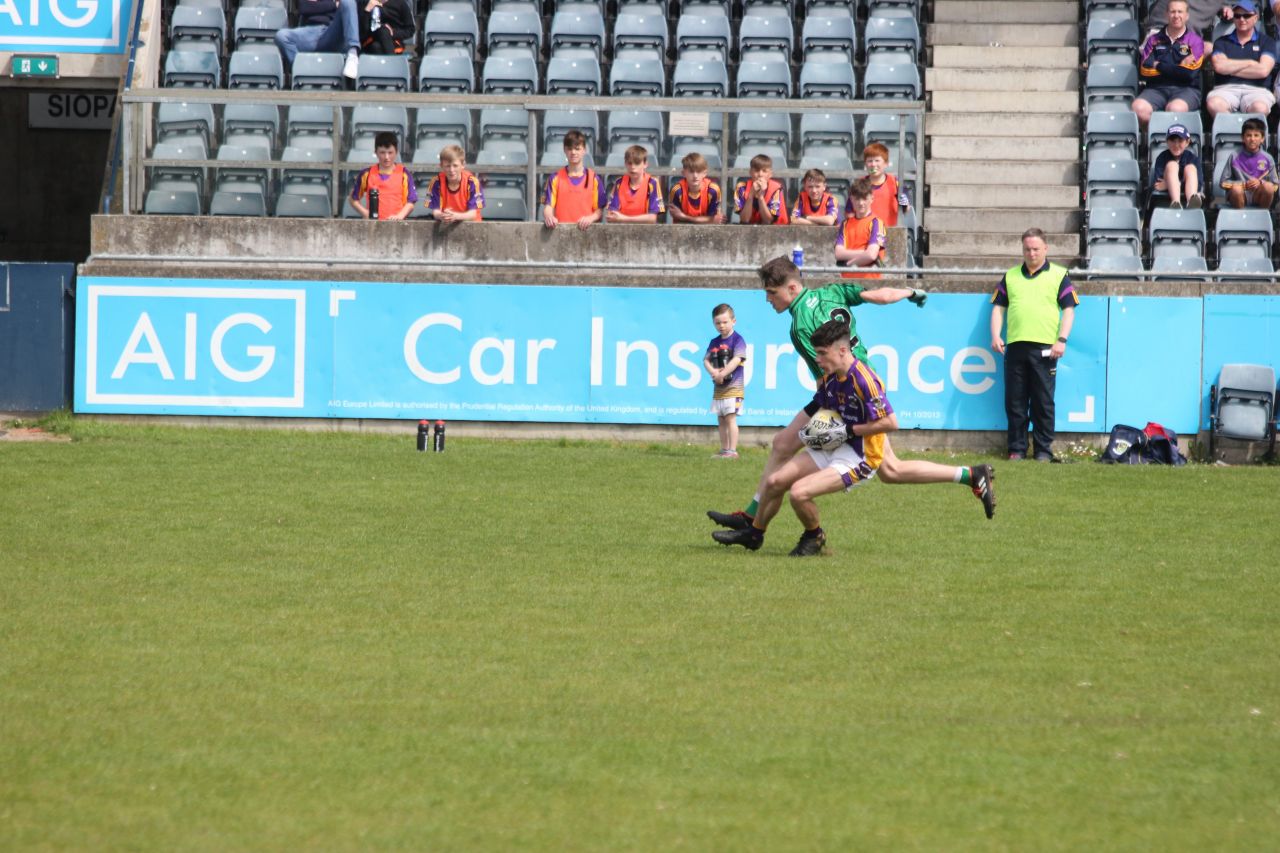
[1240, 97]
[853, 468]
[726, 406]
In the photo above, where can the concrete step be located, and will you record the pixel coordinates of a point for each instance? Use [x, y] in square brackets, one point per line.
[1004, 148]
[985, 262]
[1008, 172]
[955, 56]
[997, 12]
[1005, 102]
[1002, 124]
[1006, 35]
[1026, 80]
[994, 221]
[1029, 196]
[1006, 244]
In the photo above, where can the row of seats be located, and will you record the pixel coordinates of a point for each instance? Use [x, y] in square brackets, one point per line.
[1243, 240]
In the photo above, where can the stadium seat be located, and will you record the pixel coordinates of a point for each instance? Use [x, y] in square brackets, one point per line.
[573, 75]
[707, 7]
[503, 152]
[705, 146]
[556, 123]
[891, 7]
[1114, 231]
[197, 28]
[886, 35]
[191, 178]
[304, 206]
[1112, 183]
[451, 27]
[640, 30]
[835, 33]
[1108, 135]
[257, 119]
[770, 33]
[160, 202]
[255, 69]
[637, 79]
[578, 26]
[234, 203]
[890, 79]
[1260, 266]
[776, 153]
[699, 79]
[175, 120]
[828, 129]
[370, 119]
[1242, 405]
[510, 75]
[1176, 233]
[383, 73]
[1110, 87]
[515, 33]
[884, 128]
[822, 79]
[444, 74]
[828, 157]
[300, 180]
[1158, 128]
[1226, 133]
[1244, 233]
[505, 204]
[192, 69]
[238, 179]
[635, 127]
[1178, 268]
[504, 123]
[318, 71]
[1106, 39]
[258, 25]
[763, 129]
[1115, 266]
[436, 127]
[765, 79]
[311, 122]
[697, 30]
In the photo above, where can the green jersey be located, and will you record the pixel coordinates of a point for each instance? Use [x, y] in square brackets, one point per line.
[812, 308]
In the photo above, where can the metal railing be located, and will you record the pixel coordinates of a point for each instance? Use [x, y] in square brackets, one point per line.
[137, 106]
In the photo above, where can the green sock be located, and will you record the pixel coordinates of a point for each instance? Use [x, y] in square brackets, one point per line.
[753, 506]
[964, 476]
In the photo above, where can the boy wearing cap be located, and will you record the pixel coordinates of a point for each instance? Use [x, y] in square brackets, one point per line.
[1242, 60]
[1169, 65]
[1178, 170]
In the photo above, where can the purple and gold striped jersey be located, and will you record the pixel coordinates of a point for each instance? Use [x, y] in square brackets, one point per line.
[859, 398]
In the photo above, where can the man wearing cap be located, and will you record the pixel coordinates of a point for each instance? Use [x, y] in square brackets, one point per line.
[1178, 172]
[1169, 64]
[1242, 61]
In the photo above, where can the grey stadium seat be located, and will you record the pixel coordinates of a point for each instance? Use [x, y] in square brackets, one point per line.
[300, 180]
[885, 34]
[255, 69]
[1245, 265]
[318, 71]
[828, 128]
[640, 30]
[763, 129]
[305, 122]
[697, 30]
[192, 69]
[699, 79]
[1176, 233]
[238, 204]
[772, 33]
[510, 75]
[884, 128]
[829, 34]
[1111, 134]
[240, 178]
[259, 24]
[257, 119]
[1158, 127]
[457, 27]
[578, 25]
[517, 29]
[1114, 226]
[764, 79]
[573, 75]
[1110, 87]
[707, 147]
[172, 203]
[1242, 405]
[894, 80]
[304, 206]
[1246, 233]
[197, 28]
[775, 153]
[504, 123]
[175, 120]
[436, 127]
[186, 149]
[443, 74]
[638, 78]
[383, 73]
[369, 119]
[505, 204]
[821, 79]
[1120, 266]
[1113, 183]
[1178, 268]
[1118, 38]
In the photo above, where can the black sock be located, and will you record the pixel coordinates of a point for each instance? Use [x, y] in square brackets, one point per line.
[812, 534]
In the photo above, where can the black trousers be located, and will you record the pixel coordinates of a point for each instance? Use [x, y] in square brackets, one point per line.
[1029, 379]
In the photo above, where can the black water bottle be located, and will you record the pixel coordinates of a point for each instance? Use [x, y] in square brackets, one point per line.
[373, 204]
[424, 430]
[437, 438]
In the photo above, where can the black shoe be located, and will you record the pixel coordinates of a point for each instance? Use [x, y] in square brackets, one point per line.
[809, 546]
[984, 487]
[733, 520]
[748, 537]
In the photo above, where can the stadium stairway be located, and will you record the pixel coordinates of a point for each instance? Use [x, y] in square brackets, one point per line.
[1003, 130]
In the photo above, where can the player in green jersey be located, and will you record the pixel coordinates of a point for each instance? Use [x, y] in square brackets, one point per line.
[809, 309]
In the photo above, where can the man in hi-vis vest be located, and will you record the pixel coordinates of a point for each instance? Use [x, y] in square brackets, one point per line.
[1041, 303]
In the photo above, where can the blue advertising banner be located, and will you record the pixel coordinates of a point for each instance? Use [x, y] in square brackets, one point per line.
[1238, 330]
[516, 353]
[64, 26]
[1154, 362]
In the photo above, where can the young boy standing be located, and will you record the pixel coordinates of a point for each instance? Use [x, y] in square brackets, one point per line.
[860, 242]
[396, 191]
[695, 198]
[886, 197]
[1251, 177]
[1178, 171]
[575, 193]
[761, 200]
[636, 196]
[725, 356]
[815, 206]
[846, 455]
[456, 194]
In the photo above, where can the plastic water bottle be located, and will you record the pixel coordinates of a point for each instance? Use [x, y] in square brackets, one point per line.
[797, 256]
[375, 19]
[424, 430]
[437, 438]
[373, 204]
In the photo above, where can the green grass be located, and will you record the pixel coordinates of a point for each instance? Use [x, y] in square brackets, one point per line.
[216, 639]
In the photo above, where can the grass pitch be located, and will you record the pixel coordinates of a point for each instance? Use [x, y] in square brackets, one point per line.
[214, 639]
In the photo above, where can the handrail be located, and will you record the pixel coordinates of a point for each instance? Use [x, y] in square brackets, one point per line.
[107, 195]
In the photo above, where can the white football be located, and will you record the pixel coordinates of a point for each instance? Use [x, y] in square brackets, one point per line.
[824, 420]
[824, 431]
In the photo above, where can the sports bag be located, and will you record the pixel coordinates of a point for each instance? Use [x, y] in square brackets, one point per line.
[1152, 445]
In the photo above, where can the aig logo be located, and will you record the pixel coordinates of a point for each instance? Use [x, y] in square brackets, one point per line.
[195, 346]
[84, 26]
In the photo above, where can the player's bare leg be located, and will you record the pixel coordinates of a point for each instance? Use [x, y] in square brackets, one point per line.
[785, 445]
[775, 487]
[916, 471]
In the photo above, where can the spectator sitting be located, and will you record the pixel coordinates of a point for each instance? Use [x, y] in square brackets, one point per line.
[636, 196]
[886, 196]
[1251, 178]
[456, 194]
[860, 242]
[324, 26]
[390, 180]
[1242, 61]
[575, 193]
[387, 26]
[1169, 63]
[695, 198]
[761, 200]
[1178, 170]
[815, 206]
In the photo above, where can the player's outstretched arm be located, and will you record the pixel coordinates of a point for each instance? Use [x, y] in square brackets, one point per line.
[889, 423]
[890, 295]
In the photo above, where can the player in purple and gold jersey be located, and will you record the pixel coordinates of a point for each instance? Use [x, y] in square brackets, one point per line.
[848, 453]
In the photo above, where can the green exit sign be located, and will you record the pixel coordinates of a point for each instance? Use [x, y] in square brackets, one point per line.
[34, 66]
